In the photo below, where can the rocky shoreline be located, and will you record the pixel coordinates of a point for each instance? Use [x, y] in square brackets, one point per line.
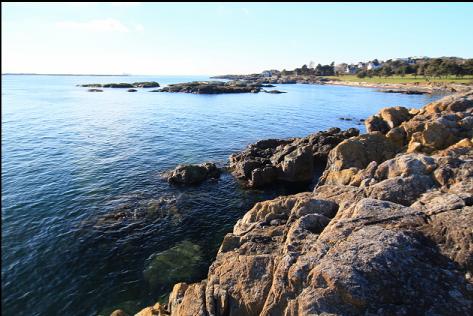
[406, 88]
[219, 87]
[386, 231]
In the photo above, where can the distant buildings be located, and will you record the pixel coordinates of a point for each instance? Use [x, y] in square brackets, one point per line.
[372, 65]
[351, 69]
[270, 73]
[267, 73]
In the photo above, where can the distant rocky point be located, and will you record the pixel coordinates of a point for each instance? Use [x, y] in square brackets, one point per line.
[144, 84]
[214, 87]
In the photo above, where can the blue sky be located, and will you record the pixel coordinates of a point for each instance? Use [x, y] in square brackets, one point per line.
[220, 38]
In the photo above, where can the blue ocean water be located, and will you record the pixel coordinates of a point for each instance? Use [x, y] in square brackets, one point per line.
[84, 209]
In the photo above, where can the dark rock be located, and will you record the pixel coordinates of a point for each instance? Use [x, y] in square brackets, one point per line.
[118, 85]
[95, 90]
[274, 91]
[192, 174]
[213, 87]
[146, 84]
[290, 160]
[131, 90]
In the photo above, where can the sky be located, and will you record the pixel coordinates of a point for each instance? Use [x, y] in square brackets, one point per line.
[221, 38]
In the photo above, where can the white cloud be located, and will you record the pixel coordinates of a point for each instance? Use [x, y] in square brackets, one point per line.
[94, 25]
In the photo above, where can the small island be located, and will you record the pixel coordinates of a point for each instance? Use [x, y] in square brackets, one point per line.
[123, 85]
[218, 87]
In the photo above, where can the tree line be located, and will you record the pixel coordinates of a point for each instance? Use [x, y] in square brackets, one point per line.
[427, 68]
[430, 68]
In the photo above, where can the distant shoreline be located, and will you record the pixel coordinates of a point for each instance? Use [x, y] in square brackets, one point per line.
[35, 74]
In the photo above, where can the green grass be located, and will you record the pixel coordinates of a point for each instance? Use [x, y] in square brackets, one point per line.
[405, 79]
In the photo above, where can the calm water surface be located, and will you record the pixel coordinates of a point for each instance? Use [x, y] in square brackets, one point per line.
[88, 225]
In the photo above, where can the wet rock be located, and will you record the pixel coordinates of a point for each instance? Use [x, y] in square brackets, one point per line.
[131, 90]
[94, 90]
[118, 312]
[192, 174]
[274, 91]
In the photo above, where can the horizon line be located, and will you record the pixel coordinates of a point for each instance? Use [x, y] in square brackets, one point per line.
[105, 75]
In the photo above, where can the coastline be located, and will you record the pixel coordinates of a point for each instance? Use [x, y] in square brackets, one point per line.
[420, 88]
[391, 210]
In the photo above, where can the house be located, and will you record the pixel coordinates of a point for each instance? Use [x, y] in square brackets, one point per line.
[340, 68]
[373, 65]
[351, 69]
[267, 73]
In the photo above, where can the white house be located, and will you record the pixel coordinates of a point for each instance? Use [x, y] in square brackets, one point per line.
[267, 73]
[351, 69]
[372, 66]
[341, 68]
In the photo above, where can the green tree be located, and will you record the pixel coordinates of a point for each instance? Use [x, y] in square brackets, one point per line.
[387, 71]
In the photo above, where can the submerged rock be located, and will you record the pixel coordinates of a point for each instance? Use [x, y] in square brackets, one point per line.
[192, 174]
[133, 208]
[274, 91]
[131, 90]
[179, 263]
[94, 90]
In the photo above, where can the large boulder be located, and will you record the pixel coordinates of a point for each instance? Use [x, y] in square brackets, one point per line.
[192, 174]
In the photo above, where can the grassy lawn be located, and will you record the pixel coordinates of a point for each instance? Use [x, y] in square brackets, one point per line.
[405, 79]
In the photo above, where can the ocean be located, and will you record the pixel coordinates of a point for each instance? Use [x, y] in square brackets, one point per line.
[89, 225]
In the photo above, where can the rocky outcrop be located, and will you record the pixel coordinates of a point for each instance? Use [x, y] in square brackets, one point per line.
[274, 91]
[289, 160]
[147, 84]
[192, 174]
[213, 87]
[385, 232]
